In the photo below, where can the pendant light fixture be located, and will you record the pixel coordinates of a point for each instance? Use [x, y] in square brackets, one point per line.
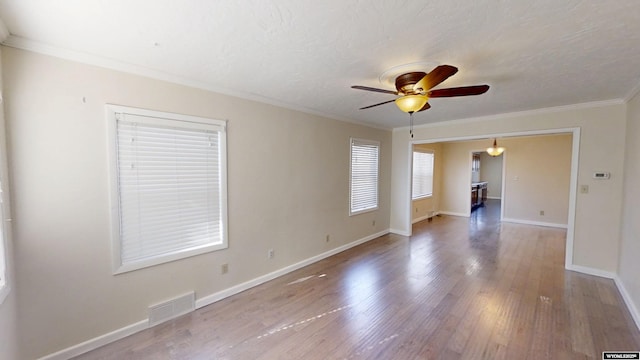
[495, 150]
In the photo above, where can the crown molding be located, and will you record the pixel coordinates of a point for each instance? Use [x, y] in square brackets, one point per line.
[37, 47]
[555, 109]
[103, 62]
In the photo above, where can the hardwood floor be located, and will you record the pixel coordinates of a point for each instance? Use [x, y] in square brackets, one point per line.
[458, 289]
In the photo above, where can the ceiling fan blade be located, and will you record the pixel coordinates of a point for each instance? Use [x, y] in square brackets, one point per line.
[374, 89]
[382, 103]
[435, 77]
[425, 107]
[459, 91]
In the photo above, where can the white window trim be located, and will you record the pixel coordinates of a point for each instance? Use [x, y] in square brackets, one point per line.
[5, 289]
[423, 197]
[4, 292]
[117, 266]
[426, 151]
[369, 142]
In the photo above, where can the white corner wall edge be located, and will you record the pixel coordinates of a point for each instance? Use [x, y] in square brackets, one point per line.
[4, 31]
[118, 334]
[537, 223]
[633, 309]
[400, 232]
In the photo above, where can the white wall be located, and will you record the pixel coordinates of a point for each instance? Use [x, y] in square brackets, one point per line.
[602, 126]
[8, 309]
[629, 269]
[287, 188]
[491, 172]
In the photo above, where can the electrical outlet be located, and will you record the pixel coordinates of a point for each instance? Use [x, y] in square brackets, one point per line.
[224, 268]
[541, 212]
[327, 239]
[270, 254]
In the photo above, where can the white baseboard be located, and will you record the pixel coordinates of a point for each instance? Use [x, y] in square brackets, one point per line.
[210, 299]
[97, 342]
[400, 232]
[118, 334]
[633, 309]
[591, 271]
[454, 213]
[494, 197]
[435, 213]
[537, 223]
[420, 219]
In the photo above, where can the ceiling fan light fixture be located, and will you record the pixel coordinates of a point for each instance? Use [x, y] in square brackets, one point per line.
[495, 150]
[411, 103]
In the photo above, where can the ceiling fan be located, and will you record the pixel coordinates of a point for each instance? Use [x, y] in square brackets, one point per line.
[414, 89]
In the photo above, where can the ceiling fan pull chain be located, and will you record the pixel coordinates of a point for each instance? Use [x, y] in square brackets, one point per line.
[411, 124]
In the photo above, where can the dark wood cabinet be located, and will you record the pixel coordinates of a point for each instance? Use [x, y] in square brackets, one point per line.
[478, 194]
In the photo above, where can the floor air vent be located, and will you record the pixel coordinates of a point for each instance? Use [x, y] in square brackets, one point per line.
[173, 308]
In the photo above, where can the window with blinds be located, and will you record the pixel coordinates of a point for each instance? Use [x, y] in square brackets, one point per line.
[170, 187]
[422, 184]
[363, 178]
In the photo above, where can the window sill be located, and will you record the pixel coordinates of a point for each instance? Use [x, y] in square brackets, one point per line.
[161, 259]
[422, 197]
[353, 213]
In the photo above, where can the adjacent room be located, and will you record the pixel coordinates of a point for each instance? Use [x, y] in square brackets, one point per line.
[319, 180]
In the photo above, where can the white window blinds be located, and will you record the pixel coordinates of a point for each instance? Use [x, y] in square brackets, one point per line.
[422, 174]
[171, 188]
[364, 175]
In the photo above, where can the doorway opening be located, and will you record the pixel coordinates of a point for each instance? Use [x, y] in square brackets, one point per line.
[486, 180]
[524, 182]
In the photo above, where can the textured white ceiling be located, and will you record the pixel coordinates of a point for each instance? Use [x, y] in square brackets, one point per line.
[306, 54]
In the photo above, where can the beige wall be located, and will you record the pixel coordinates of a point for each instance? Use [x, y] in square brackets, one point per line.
[456, 177]
[8, 309]
[629, 268]
[527, 190]
[602, 126]
[288, 188]
[537, 174]
[426, 207]
[491, 172]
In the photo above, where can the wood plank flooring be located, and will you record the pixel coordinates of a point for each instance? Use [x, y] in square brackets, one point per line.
[457, 289]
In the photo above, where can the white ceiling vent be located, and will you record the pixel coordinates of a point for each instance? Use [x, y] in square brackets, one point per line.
[170, 309]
